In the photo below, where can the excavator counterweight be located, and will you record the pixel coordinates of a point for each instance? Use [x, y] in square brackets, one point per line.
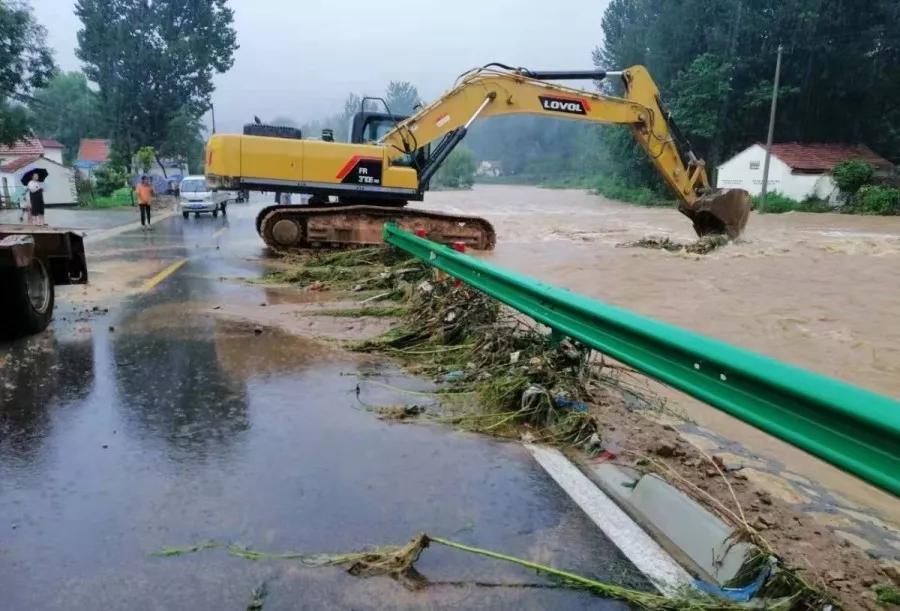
[355, 187]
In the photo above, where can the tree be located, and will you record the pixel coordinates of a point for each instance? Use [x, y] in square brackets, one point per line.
[185, 141]
[697, 93]
[25, 64]
[154, 62]
[840, 71]
[67, 110]
[402, 97]
[145, 157]
[458, 170]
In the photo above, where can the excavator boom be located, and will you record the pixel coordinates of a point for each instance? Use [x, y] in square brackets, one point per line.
[396, 166]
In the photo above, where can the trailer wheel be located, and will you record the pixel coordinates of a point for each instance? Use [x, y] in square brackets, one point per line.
[26, 302]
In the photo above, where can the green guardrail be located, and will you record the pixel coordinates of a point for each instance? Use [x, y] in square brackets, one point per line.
[854, 429]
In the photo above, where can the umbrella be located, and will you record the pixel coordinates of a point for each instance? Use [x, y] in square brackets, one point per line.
[41, 172]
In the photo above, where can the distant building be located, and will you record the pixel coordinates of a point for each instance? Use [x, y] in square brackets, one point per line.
[489, 168]
[796, 170]
[93, 154]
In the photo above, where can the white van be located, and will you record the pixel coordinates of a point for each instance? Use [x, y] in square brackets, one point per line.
[196, 198]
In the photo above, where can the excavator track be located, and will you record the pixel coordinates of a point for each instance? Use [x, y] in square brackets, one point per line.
[292, 228]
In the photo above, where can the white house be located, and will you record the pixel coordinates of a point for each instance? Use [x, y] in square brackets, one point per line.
[796, 170]
[59, 186]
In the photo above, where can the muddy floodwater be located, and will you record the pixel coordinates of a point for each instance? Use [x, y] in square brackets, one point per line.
[816, 290]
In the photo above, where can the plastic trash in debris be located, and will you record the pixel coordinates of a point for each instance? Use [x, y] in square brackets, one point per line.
[454, 376]
[567, 403]
[514, 357]
[738, 595]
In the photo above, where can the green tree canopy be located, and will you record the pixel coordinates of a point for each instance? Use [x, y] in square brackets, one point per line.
[67, 110]
[25, 64]
[402, 97]
[714, 60]
[153, 62]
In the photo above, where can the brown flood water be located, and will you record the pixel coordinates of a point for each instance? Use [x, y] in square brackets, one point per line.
[816, 290]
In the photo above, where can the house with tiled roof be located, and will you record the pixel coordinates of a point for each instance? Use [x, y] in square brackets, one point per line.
[32, 147]
[93, 154]
[796, 170]
[21, 159]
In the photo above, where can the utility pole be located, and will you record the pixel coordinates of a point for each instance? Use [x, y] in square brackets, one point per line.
[765, 180]
[212, 109]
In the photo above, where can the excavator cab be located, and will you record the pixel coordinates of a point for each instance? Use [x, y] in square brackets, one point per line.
[371, 126]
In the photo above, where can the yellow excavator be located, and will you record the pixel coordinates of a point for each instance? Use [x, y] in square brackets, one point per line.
[355, 187]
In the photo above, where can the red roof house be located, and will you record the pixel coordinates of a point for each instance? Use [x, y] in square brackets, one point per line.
[797, 170]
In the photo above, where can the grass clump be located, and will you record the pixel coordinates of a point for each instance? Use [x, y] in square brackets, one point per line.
[364, 269]
[118, 199]
[887, 595]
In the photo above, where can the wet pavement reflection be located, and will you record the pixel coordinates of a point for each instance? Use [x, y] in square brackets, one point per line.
[150, 427]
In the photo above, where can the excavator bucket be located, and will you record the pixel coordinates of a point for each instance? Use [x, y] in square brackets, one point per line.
[722, 212]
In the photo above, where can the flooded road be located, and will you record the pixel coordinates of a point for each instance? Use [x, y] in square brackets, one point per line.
[816, 290]
[148, 426]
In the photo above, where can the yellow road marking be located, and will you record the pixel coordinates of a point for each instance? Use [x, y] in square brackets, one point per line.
[219, 232]
[155, 280]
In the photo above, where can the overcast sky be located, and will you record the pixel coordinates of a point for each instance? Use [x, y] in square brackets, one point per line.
[300, 58]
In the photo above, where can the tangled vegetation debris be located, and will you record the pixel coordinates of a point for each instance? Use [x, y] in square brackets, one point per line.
[511, 379]
[361, 271]
[704, 245]
[503, 375]
[398, 562]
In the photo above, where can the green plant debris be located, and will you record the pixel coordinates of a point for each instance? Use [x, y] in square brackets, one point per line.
[168, 552]
[360, 270]
[509, 378]
[398, 562]
[887, 595]
[704, 245]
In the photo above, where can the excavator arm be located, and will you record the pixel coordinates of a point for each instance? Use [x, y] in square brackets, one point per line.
[490, 92]
[356, 187]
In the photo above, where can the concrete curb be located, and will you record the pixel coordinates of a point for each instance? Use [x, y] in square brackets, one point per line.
[644, 552]
[667, 535]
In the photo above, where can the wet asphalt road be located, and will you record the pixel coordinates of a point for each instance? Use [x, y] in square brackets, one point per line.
[171, 429]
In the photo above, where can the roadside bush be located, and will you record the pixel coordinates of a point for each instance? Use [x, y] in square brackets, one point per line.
[774, 203]
[84, 190]
[814, 204]
[873, 199]
[643, 196]
[108, 180]
[851, 175]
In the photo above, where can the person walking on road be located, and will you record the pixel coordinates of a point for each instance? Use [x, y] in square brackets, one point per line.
[36, 199]
[145, 194]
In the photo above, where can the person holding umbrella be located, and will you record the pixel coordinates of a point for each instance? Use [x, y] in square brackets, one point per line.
[35, 187]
